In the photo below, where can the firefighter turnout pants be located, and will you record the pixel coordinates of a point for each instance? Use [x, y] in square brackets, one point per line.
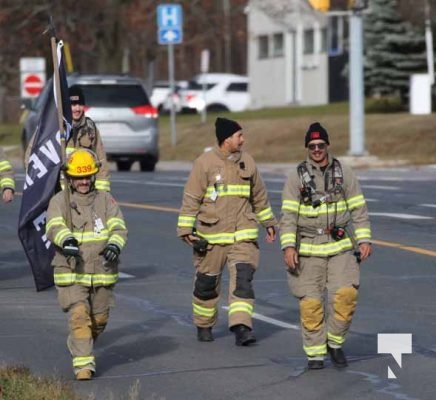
[88, 311]
[242, 259]
[336, 279]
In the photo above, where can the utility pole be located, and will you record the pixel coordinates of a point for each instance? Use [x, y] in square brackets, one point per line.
[429, 43]
[356, 94]
[357, 110]
[227, 37]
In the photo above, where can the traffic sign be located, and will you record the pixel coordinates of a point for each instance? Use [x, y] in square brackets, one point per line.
[169, 23]
[169, 16]
[170, 35]
[32, 76]
[32, 85]
[170, 31]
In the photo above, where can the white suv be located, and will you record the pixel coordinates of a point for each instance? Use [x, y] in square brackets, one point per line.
[216, 92]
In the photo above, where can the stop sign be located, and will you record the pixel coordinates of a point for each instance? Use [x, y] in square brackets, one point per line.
[32, 85]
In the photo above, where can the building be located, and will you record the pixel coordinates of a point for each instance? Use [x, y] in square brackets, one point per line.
[290, 47]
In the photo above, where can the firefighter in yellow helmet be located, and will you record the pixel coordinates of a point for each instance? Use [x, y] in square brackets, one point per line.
[89, 232]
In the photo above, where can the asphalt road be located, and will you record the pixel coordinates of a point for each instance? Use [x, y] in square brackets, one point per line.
[150, 348]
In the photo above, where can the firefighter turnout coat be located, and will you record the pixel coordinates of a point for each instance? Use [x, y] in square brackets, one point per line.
[96, 221]
[306, 227]
[7, 180]
[224, 199]
[85, 134]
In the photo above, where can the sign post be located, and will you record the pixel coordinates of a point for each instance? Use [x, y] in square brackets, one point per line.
[170, 32]
[204, 68]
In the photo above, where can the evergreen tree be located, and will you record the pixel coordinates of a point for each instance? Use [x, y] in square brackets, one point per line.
[394, 50]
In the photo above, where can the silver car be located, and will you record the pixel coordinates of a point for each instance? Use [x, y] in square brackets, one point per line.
[120, 107]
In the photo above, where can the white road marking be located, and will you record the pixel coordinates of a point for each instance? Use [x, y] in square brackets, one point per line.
[428, 205]
[271, 321]
[276, 322]
[399, 216]
[380, 187]
[124, 275]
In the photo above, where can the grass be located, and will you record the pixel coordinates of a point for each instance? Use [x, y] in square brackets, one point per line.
[18, 383]
[277, 135]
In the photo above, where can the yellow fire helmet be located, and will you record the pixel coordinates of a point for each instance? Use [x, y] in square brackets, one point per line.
[81, 163]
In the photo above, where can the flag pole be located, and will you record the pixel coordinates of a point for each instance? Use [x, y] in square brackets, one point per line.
[58, 97]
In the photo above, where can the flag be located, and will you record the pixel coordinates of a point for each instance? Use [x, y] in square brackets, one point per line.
[41, 179]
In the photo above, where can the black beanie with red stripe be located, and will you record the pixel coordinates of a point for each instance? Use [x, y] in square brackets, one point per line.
[316, 132]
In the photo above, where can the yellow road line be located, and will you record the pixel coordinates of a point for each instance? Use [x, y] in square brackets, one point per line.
[383, 243]
[413, 249]
[149, 207]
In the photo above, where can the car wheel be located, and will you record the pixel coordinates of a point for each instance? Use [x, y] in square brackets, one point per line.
[147, 164]
[217, 108]
[124, 165]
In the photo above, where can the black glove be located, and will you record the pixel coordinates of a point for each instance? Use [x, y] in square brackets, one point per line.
[200, 246]
[111, 253]
[70, 247]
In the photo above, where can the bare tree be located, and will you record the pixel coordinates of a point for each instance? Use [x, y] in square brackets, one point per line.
[103, 33]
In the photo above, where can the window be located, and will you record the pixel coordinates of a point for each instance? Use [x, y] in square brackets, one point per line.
[323, 40]
[337, 33]
[263, 47]
[194, 85]
[309, 39]
[117, 95]
[238, 87]
[278, 45]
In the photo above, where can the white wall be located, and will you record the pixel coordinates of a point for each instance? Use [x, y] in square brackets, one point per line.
[288, 79]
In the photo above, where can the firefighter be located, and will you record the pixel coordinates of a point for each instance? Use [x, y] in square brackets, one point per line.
[88, 235]
[7, 181]
[324, 233]
[84, 134]
[224, 200]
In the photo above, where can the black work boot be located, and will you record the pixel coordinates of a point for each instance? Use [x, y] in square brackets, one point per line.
[243, 335]
[315, 364]
[204, 334]
[338, 357]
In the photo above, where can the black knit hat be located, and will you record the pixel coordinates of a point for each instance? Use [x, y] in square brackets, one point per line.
[316, 132]
[225, 128]
[76, 95]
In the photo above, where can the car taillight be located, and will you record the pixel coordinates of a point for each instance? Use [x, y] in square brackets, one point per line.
[189, 96]
[147, 111]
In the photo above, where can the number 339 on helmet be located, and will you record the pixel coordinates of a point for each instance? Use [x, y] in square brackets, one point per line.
[82, 163]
